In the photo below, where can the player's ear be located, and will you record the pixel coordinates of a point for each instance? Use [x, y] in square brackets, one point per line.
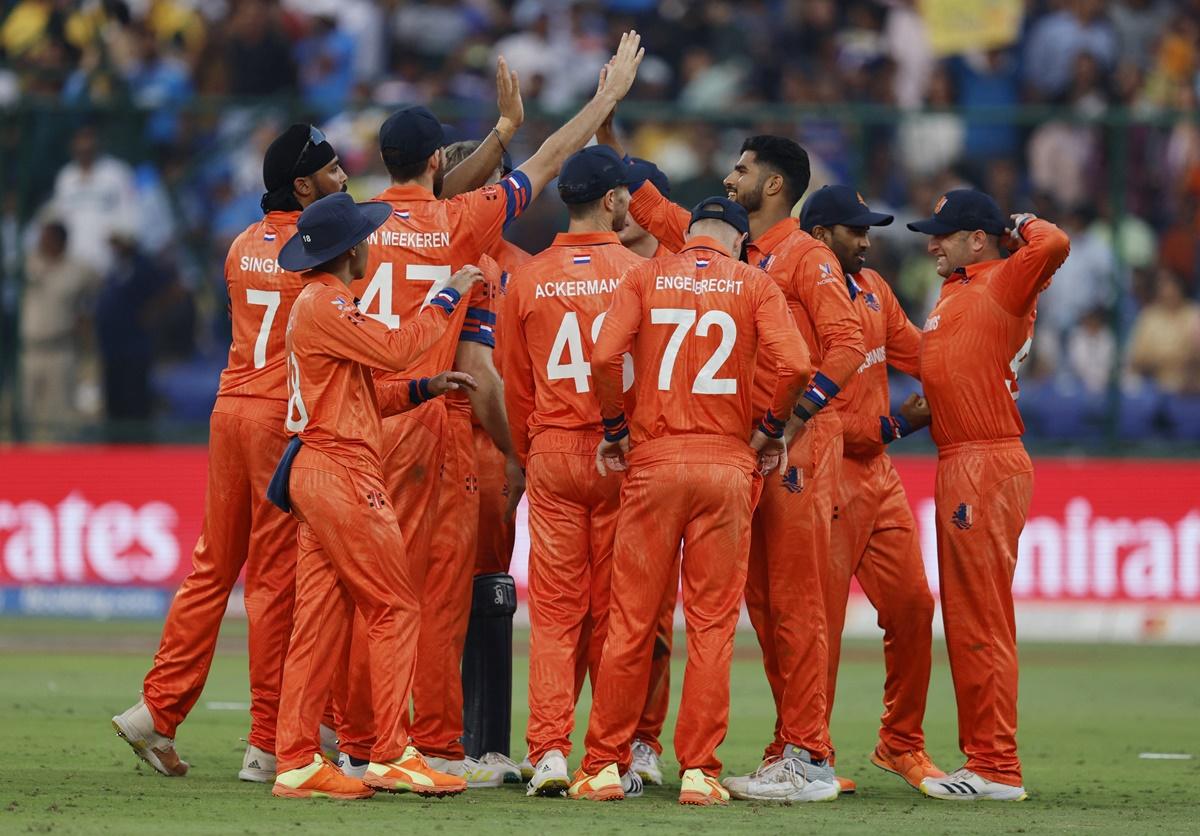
[610, 200]
[302, 186]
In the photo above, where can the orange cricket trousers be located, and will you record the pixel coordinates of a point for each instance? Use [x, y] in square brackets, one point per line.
[658, 692]
[699, 489]
[789, 561]
[572, 522]
[241, 527]
[437, 723]
[981, 496]
[413, 459]
[875, 539]
[351, 556]
[494, 549]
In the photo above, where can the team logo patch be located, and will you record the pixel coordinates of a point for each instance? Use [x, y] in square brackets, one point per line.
[471, 483]
[766, 261]
[941, 204]
[581, 259]
[402, 214]
[872, 302]
[701, 263]
[376, 499]
[963, 517]
[793, 480]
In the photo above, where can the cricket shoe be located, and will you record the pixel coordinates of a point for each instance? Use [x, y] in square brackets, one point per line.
[631, 785]
[646, 763]
[478, 773]
[846, 786]
[510, 768]
[965, 785]
[352, 767]
[792, 777]
[320, 779]
[701, 790]
[550, 778]
[412, 773]
[258, 766]
[914, 767]
[605, 785]
[329, 742]
[526, 767]
[136, 727]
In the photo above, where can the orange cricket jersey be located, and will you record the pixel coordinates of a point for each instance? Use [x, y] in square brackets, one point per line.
[806, 271]
[555, 305]
[979, 333]
[426, 240]
[891, 340]
[695, 323]
[261, 295]
[331, 348]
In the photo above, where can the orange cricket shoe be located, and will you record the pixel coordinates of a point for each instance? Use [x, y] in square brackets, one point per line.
[320, 779]
[605, 785]
[846, 785]
[701, 790]
[914, 767]
[412, 774]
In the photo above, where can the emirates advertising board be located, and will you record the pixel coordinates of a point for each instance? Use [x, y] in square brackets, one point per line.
[1111, 549]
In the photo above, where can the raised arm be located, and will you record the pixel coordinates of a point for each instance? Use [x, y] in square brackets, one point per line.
[1040, 249]
[615, 80]
[475, 170]
[666, 221]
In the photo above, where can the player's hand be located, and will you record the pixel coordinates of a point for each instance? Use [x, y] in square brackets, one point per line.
[915, 410]
[466, 278]
[508, 96]
[514, 477]
[618, 75]
[450, 381]
[772, 452]
[606, 134]
[1014, 240]
[610, 455]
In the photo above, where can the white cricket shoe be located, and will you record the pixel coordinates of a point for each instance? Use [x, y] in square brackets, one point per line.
[477, 774]
[550, 778]
[526, 768]
[135, 726]
[631, 784]
[510, 768]
[792, 778]
[965, 785]
[351, 769]
[257, 766]
[329, 742]
[646, 763]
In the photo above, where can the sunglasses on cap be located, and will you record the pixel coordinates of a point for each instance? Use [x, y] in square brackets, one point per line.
[315, 138]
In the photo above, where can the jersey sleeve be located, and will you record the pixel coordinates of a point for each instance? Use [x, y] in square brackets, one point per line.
[781, 339]
[492, 208]
[479, 326]
[518, 371]
[345, 331]
[819, 283]
[903, 338]
[666, 221]
[861, 433]
[1027, 272]
[615, 338]
[396, 396]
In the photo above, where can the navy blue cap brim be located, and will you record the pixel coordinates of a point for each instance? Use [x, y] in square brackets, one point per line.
[932, 226]
[870, 219]
[295, 258]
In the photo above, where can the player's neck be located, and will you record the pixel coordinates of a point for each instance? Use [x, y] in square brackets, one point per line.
[425, 183]
[589, 225]
[764, 218]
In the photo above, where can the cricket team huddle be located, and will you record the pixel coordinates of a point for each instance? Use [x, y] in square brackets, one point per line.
[692, 398]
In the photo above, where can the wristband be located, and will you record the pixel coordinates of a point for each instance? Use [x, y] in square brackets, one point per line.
[892, 427]
[501, 141]
[418, 391]
[615, 428]
[821, 391]
[446, 299]
[770, 426]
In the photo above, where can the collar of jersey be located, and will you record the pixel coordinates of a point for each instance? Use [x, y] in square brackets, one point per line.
[579, 239]
[774, 236]
[327, 279]
[282, 218]
[703, 242]
[406, 192]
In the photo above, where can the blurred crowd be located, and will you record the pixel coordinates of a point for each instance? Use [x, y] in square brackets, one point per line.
[121, 246]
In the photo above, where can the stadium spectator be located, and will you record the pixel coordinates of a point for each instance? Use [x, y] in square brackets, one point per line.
[1092, 351]
[1086, 280]
[327, 58]
[258, 52]
[988, 80]
[53, 311]
[931, 140]
[1165, 344]
[1056, 41]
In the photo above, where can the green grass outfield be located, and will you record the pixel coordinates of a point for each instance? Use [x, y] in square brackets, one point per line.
[1086, 711]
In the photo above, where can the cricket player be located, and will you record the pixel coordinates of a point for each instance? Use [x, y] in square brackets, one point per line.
[695, 323]
[246, 439]
[331, 479]
[556, 304]
[973, 344]
[874, 535]
[423, 239]
[784, 587]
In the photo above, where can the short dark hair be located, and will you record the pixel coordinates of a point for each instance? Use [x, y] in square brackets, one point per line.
[786, 158]
[402, 172]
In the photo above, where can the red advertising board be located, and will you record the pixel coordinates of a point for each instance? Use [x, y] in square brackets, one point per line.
[1099, 529]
